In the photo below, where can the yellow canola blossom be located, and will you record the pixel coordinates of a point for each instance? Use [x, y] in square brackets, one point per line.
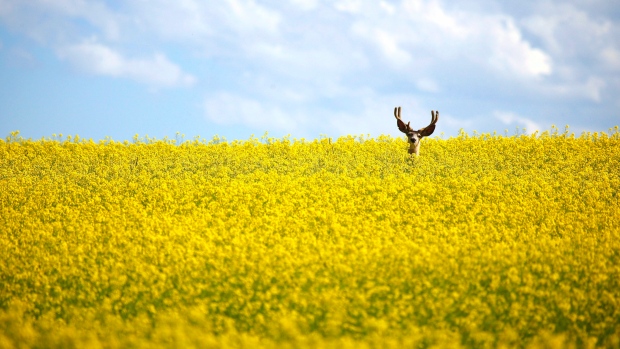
[483, 241]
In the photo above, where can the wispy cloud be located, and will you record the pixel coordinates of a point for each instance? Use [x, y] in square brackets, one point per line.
[512, 119]
[155, 71]
[313, 66]
[611, 57]
[229, 109]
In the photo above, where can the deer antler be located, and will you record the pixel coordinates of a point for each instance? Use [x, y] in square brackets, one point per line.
[428, 130]
[399, 122]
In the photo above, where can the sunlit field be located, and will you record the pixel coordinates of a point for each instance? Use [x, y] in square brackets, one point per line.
[481, 241]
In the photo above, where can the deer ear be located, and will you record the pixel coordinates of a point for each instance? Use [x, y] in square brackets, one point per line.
[401, 125]
[427, 131]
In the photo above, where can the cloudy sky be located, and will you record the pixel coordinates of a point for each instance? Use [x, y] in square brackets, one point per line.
[305, 67]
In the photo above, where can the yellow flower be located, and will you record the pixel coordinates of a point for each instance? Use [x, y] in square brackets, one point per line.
[483, 240]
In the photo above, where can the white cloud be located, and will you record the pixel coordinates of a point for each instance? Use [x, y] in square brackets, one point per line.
[229, 109]
[434, 16]
[387, 7]
[509, 118]
[584, 48]
[305, 5]
[454, 124]
[99, 59]
[371, 113]
[206, 23]
[47, 21]
[300, 62]
[427, 85]
[512, 54]
[593, 88]
[410, 35]
[590, 89]
[387, 43]
[419, 35]
[249, 16]
[566, 30]
[611, 57]
[303, 65]
[350, 6]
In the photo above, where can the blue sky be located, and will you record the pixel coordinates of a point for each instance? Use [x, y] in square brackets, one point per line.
[305, 67]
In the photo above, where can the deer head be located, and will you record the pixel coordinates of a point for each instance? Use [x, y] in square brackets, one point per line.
[414, 137]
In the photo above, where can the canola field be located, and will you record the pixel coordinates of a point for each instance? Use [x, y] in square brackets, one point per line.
[483, 241]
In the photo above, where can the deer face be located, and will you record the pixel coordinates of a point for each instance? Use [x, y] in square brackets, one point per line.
[414, 137]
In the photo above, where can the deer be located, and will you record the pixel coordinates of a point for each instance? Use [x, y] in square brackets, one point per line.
[414, 137]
